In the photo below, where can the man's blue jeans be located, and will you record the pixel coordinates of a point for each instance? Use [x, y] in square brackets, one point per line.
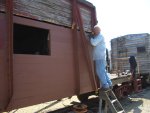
[102, 74]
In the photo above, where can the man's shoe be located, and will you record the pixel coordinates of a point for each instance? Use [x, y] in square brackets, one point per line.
[111, 87]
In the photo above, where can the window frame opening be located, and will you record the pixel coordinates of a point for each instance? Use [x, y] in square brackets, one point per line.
[30, 40]
[141, 49]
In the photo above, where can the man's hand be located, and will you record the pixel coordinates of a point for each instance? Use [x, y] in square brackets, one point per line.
[90, 35]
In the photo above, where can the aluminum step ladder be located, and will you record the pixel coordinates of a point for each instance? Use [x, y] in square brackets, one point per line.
[112, 101]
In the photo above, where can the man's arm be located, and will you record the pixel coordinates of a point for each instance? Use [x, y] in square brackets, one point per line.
[96, 40]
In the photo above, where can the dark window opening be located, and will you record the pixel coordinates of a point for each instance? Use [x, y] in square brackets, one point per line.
[141, 49]
[30, 40]
[122, 52]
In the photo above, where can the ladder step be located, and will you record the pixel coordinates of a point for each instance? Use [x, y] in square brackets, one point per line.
[138, 79]
[112, 101]
[121, 111]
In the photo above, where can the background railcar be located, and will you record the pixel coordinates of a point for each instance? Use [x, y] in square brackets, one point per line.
[137, 45]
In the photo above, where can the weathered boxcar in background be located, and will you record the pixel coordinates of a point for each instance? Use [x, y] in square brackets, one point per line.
[123, 47]
[43, 53]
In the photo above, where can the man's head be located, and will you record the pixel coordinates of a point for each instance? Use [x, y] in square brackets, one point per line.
[96, 30]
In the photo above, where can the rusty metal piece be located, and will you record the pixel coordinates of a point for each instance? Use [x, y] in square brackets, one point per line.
[123, 90]
[9, 15]
[81, 108]
[137, 85]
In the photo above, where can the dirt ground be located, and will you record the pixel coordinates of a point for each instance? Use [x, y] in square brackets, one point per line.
[134, 103]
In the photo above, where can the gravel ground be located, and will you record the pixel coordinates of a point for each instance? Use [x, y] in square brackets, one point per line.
[134, 103]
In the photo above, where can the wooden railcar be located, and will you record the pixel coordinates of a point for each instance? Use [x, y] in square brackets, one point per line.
[137, 45]
[39, 60]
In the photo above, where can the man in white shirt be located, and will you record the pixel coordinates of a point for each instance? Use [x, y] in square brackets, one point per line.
[99, 56]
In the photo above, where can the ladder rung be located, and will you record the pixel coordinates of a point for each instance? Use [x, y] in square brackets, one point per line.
[122, 111]
[112, 101]
[138, 79]
[110, 98]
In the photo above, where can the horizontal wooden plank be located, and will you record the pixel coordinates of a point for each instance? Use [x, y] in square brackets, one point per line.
[53, 11]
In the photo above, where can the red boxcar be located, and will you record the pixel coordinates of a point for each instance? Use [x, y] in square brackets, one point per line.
[40, 57]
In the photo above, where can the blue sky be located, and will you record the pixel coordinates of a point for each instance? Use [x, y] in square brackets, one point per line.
[122, 17]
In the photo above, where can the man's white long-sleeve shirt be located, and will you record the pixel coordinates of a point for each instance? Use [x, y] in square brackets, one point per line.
[99, 48]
